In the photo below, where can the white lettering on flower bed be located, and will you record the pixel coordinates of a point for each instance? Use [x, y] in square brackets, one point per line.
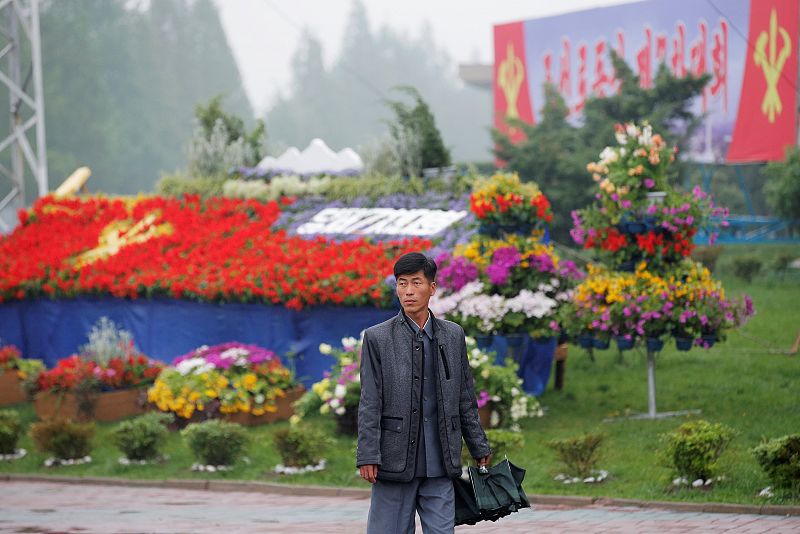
[380, 221]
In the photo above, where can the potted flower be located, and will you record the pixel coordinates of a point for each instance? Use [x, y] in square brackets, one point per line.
[243, 383]
[339, 392]
[504, 204]
[498, 389]
[17, 374]
[105, 381]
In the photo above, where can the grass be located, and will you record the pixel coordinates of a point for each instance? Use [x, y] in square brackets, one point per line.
[745, 383]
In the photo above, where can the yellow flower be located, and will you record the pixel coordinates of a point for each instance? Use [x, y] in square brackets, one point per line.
[249, 381]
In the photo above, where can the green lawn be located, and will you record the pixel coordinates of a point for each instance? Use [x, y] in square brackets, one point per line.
[744, 383]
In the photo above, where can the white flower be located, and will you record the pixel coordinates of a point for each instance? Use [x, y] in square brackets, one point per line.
[335, 403]
[514, 392]
[324, 348]
[259, 399]
[349, 343]
[631, 130]
[496, 398]
[621, 139]
[608, 155]
[340, 410]
[494, 420]
[339, 391]
[235, 353]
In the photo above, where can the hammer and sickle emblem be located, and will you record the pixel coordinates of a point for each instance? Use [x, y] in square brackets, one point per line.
[772, 62]
[122, 233]
[510, 75]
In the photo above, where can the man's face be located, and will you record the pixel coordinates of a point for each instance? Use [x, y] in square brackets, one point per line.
[414, 292]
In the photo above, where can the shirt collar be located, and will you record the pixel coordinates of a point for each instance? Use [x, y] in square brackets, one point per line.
[427, 327]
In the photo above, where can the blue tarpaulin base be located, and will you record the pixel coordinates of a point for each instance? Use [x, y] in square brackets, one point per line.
[166, 328]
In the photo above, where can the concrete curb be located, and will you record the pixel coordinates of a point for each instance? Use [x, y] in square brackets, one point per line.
[364, 493]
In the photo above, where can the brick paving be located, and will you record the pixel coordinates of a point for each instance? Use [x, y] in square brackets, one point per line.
[50, 507]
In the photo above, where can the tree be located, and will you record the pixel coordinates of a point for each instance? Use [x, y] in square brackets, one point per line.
[552, 155]
[783, 187]
[210, 115]
[416, 135]
[554, 152]
[121, 80]
[345, 103]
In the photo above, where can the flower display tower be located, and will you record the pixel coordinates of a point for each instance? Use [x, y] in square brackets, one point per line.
[646, 287]
[507, 280]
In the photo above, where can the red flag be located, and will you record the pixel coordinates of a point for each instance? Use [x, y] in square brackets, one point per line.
[766, 122]
[511, 95]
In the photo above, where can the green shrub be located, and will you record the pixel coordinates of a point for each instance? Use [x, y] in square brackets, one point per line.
[10, 429]
[502, 443]
[782, 263]
[216, 442]
[177, 185]
[301, 445]
[579, 454]
[63, 439]
[707, 255]
[693, 448]
[746, 267]
[780, 460]
[142, 438]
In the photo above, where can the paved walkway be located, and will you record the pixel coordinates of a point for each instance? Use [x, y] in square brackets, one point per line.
[38, 508]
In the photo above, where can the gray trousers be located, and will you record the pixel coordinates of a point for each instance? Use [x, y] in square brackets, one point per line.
[391, 510]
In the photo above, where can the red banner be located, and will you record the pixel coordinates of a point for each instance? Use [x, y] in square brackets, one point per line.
[511, 95]
[766, 122]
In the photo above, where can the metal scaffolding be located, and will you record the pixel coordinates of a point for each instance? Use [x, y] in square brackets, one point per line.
[23, 152]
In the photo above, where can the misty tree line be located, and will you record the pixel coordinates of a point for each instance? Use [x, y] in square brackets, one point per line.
[123, 79]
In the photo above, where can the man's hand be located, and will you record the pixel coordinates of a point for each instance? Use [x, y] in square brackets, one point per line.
[485, 460]
[369, 472]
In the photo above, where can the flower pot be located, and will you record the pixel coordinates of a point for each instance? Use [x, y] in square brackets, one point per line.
[635, 227]
[601, 344]
[683, 344]
[586, 341]
[654, 344]
[107, 406]
[709, 340]
[655, 198]
[284, 410]
[627, 266]
[625, 343]
[536, 363]
[515, 341]
[11, 391]
[562, 351]
[483, 341]
[347, 423]
[498, 230]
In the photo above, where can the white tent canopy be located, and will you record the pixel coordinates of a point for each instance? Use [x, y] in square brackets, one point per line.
[317, 158]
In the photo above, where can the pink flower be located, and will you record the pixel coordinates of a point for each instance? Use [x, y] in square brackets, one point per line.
[649, 183]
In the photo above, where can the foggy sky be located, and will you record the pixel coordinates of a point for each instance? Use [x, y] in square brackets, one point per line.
[264, 33]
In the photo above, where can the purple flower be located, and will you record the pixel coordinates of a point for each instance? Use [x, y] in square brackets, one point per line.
[649, 183]
[626, 203]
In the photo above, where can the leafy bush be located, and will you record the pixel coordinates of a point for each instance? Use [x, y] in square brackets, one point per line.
[708, 255]
[10, 429]
[216, 442]
[694, 448]
[502, 443]
[301, 445]
[63, 439]
[579, 454]
[746, 267]
[142, 438]
[177, 185]
[107, 341]
[780, 459]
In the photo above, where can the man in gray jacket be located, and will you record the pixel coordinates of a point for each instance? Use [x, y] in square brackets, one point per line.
[417, 401]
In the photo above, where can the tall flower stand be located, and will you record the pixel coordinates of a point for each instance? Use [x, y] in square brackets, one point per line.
[651, 396]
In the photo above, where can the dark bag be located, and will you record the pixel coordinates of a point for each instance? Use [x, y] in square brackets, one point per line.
[490, 493]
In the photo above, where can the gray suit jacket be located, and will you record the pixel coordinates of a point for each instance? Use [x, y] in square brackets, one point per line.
[391, 399]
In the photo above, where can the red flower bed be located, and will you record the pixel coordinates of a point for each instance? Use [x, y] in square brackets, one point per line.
[216, 250]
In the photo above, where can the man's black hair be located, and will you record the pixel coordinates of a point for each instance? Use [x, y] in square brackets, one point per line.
[413, 262]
